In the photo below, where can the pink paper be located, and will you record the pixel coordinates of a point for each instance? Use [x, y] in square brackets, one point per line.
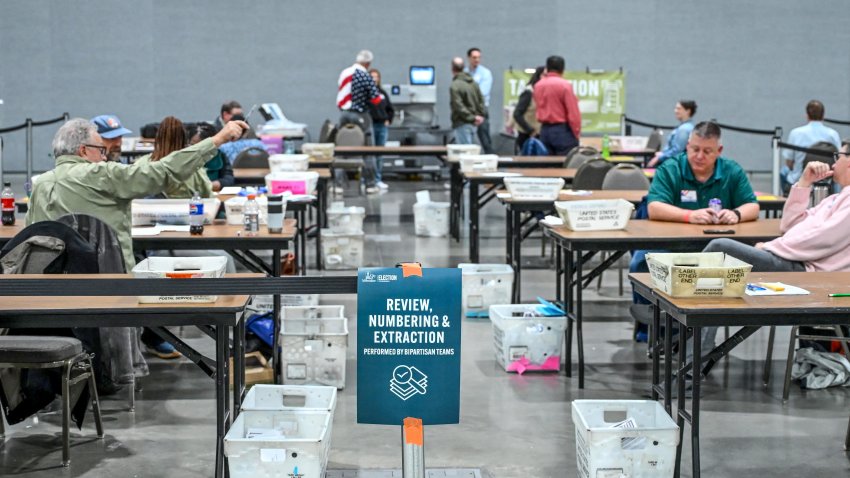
[553, 363]
[295, 187]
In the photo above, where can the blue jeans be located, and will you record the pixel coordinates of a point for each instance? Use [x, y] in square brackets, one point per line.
[484, 136]
[465, 134]
[558, 138]
[380, 132]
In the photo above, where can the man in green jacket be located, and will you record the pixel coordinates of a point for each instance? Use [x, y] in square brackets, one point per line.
[84, 182]
[467, 104]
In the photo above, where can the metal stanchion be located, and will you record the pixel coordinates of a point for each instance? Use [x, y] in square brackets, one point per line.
[29, 148]
[413, 448]
[777, 188]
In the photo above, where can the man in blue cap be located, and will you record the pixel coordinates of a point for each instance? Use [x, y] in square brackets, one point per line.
[111, 130]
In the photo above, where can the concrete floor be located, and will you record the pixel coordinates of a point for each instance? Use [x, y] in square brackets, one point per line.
[511, 425]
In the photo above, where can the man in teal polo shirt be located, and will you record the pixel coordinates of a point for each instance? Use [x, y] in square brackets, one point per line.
[681, 191]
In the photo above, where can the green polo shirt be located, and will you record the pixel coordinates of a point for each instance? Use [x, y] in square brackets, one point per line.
[674, 183]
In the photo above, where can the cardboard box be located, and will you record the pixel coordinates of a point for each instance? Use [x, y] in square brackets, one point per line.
[179, 268]
[698, 274]
[595, 215]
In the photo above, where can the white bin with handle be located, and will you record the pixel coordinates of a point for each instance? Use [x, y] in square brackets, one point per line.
[479, 163]
[179, 268]
[313, 351]
[534, 189]
[596, 214]
[455, 150]
[147, 212]
[617, 438]
[310, 398]
[523, 340]
[345, 219]
[485, 285]
[289, 162]
[295, 182]
[698, 274]
[318, 151]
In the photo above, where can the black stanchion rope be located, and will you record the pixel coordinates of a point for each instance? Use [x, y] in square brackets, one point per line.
[835, 121]
[646, 125]
[767, 132]
[816, 152]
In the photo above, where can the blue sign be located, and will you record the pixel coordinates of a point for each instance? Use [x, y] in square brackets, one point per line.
[408, 346]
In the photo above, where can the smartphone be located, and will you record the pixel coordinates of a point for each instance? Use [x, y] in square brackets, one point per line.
[718, 231]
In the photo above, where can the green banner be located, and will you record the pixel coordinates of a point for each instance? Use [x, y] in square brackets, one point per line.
[601, 98]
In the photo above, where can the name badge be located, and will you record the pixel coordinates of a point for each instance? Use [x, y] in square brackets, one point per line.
[689, 196]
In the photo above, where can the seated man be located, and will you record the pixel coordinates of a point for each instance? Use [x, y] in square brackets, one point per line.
[813, 239]
[111, 131]
[806, 136]
[231, 150]
[684, 185]
[228, 110]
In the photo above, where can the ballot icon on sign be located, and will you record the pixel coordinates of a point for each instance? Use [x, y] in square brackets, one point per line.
[407, 381]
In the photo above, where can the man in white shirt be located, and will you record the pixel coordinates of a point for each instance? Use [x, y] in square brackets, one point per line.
[806, 136]
[484, 78]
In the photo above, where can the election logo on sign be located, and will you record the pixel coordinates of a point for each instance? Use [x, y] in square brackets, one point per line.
[408, 346]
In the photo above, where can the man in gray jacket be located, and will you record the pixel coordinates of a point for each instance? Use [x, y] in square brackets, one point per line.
[467, 104]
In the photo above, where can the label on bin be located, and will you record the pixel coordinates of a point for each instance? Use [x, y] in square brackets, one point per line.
[408, 346]
[295, 187]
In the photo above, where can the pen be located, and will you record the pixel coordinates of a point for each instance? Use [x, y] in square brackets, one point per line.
[839, 295]
[754, 287]
[774, 286]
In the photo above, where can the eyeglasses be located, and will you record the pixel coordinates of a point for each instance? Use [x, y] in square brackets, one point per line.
[836, 155]
[98, 147]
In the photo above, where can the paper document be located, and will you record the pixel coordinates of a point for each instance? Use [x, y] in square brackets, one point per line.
[230, 190]
[789, 290]
[500, 174]
[552, 221]
[576, 192]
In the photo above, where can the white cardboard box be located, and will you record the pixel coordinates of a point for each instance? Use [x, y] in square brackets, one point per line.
[595, 214]
[698, 274]
[179, 268]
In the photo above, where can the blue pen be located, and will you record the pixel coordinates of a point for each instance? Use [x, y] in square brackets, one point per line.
[754, 287]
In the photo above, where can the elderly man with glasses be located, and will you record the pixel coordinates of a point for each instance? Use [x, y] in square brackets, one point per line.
[85, 182]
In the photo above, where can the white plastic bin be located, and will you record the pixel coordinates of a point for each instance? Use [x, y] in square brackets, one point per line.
[342, 250]
[525, 341]
[345, 219]
[273, 443]
[485, 285]
[296, 182]
[479, 163]
[643, 447]
[534, 189]
[698, 274]
[318, 151]
[313, 312]
[234, 207]
[264, 303]
[455, 150]
[147, 212]
[179, 268]
[431, 219]
[313, 351]
[289, 162]
[310, 398]
[595, 215]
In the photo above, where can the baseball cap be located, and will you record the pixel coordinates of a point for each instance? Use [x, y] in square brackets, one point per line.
[109, 126]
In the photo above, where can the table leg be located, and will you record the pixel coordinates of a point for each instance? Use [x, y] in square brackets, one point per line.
[697, 375]
[276, 316]
[455, 195]
[579, 335]
[680, 402]
[654, 343]
[302, 242]
[473, 222]
[517, 254]
[238, 364]
[668, 361]
[222, 398]
[559, 271]
[568, 310]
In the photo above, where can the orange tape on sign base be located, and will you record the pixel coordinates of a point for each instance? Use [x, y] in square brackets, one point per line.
[411, 269]
[413, 433]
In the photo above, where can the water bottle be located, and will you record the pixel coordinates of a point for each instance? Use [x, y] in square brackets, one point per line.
[196, 215]
[606, 147]
[288, 146]
[715, 205]
[251, 216]
[819, 193]
[8, 202]
[275, 217]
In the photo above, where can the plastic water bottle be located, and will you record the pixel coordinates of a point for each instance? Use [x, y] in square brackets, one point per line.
[196, 215]
[251, 216]
[606, 147]
[715, 205]
[288, 146]
[8, 202]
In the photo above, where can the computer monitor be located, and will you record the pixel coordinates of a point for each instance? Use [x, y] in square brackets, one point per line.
[422, 75]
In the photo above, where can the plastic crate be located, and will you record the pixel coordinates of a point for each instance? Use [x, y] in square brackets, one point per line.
[431, 219]
[479, 163]
[289, 162]
[278, 443]
[310, 398]
[318, 151]
[342, 251]
[595, 215]
[313, 351]
[525, 341]
[534, 189]
[147, 212]
[485, 285]
[265, 303]
[645, 447]
[234, 207]
[313, 312]
[296, 182]
[453, 151]
[698, 274]
[179, 268]
[345, 219]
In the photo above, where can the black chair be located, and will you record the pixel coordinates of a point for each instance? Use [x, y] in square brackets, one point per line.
[38, 352]
[655, 140]
[580, 155]
[591, 174]
[253, 157]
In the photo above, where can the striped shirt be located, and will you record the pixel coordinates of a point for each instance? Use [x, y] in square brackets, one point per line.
[356, 89]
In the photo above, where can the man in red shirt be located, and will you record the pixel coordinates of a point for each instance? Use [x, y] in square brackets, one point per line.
[557, 109]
